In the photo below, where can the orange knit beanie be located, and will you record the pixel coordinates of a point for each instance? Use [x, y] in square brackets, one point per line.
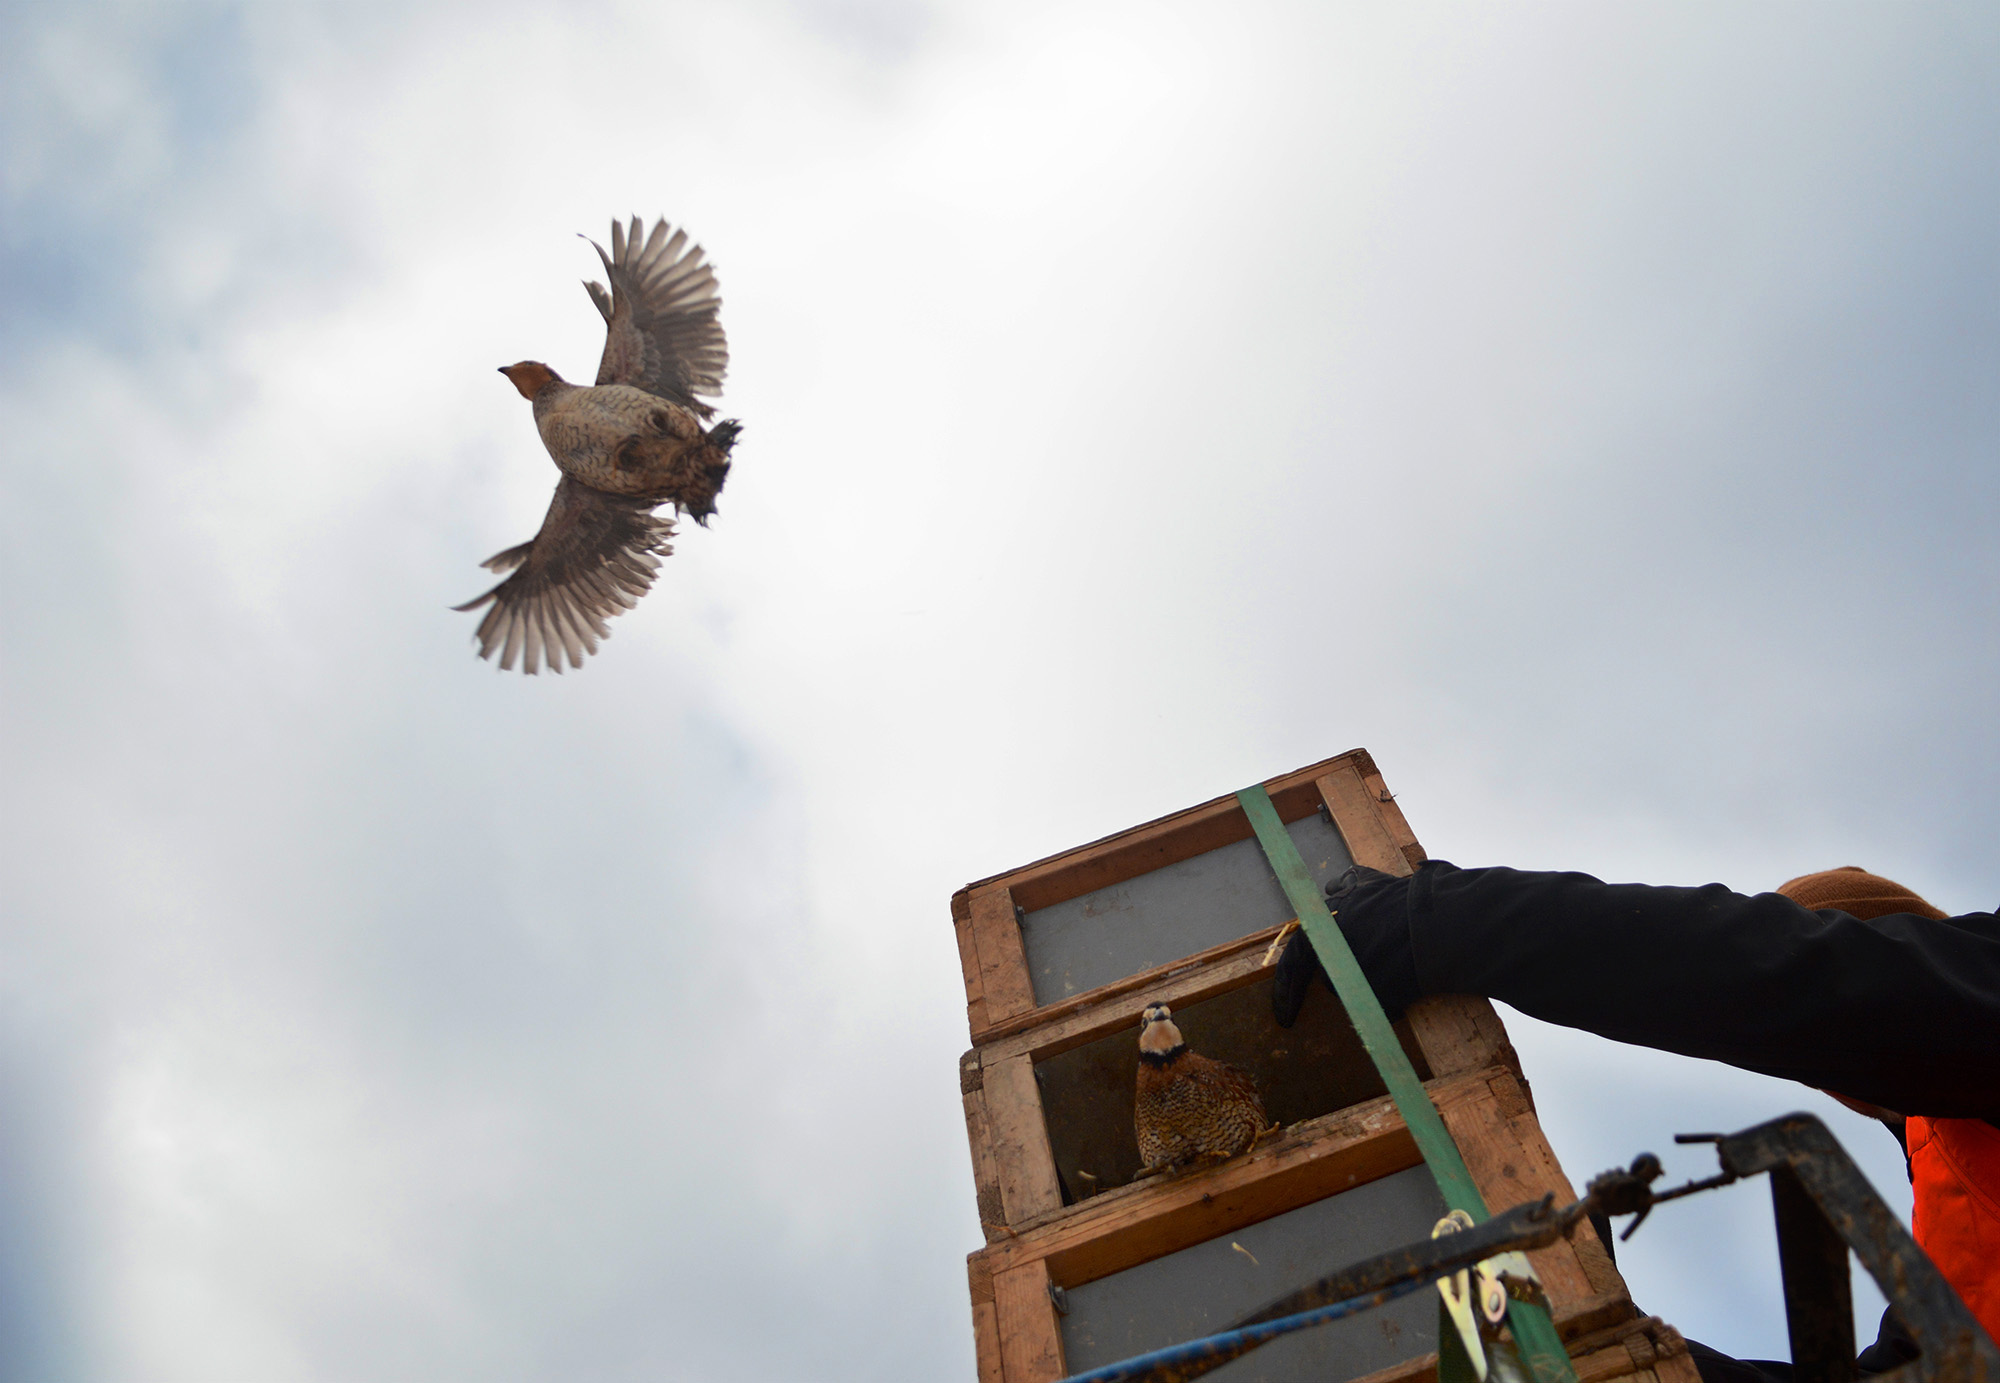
[1856, 892]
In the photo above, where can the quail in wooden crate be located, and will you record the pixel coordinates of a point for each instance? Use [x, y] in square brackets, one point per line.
[1189, 1107]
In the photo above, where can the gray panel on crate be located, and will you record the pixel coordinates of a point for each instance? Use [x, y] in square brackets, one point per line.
[1201, 1289]
[1173, 912]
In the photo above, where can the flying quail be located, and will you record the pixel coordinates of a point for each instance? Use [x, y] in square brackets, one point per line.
[625, 446]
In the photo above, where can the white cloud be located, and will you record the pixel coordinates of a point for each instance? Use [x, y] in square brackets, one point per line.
[1138, 402]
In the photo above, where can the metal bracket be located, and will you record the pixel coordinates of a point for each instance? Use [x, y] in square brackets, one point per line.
[1825, 1208]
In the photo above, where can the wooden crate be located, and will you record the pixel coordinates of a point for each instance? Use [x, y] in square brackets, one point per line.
[1041, 1095]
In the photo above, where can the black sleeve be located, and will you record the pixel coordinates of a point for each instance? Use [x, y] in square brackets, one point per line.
[1900, 1011]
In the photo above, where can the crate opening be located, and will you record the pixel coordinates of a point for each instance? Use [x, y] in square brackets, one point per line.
[1316, 1067]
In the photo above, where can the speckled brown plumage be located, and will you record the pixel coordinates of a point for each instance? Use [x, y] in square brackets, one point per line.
[625, 445]
[1189, 1106]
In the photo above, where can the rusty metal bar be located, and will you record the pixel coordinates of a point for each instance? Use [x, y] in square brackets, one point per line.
[1955, 1348]
[1819, 1301]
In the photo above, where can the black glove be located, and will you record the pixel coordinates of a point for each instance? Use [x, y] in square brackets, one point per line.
[1353, 880]
[1358, 888]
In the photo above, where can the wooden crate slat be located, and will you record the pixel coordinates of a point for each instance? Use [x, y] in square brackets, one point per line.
[1024, 1164]
[1460, 1032]
[1392, 816]
[986, 1339]
[1136, 1223]
[968, 963]
[1503, 1146]
[1087, 1017]
[1030, 1334]
[1004, 984]
[979, 1133]
[1287, 1178]
[1356, 814]
[1493, 1137]
[1171, 839]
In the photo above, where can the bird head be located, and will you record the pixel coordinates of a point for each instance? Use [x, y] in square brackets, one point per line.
[1157, 1034]
[529, 376]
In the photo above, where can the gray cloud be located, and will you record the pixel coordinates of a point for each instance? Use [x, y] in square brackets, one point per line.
[1586, 410]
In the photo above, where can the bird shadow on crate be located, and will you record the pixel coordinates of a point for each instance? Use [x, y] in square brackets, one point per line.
[1315, 1067]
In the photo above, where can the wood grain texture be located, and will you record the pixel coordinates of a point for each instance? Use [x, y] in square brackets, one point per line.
[968, 964]
[979, 1137]
[1647, 1344]
[1678, 1368]
[1392, 819]
[1023, 1163]
[1607, 1364]
[985, 1324]
[986, 1341]
[1460, 1032]
[1517, 1104]
[1030, 1337]
[1511, 1162]
[1004, 985]
[1598, 1267]
[1358, 817]
[1583, 1329]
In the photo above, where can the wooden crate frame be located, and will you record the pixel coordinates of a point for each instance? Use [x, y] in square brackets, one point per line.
[999, 993]
[1036, 1243]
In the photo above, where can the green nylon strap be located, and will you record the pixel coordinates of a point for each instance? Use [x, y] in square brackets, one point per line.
[1364, 1009]
[1532, 1327]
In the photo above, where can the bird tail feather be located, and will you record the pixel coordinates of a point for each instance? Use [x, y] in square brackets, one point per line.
[510, 559]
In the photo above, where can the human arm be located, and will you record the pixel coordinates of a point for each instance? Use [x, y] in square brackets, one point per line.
[1900, 1011]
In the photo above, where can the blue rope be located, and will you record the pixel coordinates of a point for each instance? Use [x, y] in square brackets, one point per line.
[1213, 1351]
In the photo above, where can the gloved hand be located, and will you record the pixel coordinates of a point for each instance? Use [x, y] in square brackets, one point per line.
[1355, 878]
[1357, 901]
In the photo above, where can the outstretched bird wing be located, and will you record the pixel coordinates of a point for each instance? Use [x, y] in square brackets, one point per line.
[595, 556]
[664, 332]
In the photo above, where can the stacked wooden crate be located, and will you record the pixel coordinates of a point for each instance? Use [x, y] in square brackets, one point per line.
[1082, 1264]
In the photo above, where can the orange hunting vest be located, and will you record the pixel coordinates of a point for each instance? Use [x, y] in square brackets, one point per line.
[1955, 1168]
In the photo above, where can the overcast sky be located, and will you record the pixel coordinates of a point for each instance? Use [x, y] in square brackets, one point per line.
[1589, 409]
